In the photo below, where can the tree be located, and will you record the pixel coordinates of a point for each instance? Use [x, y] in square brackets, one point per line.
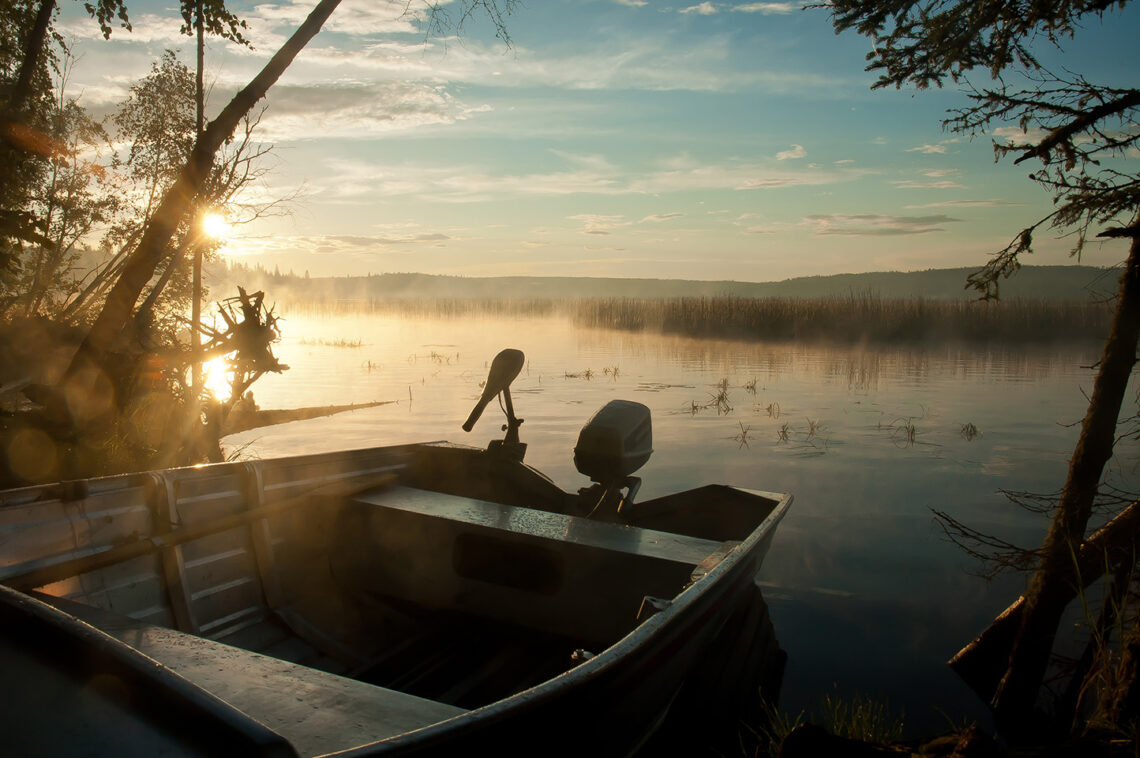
[1081, 135]
[64, 200]
[27, 62]
[90, 361]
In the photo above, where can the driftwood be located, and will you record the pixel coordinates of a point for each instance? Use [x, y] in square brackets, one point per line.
[238, 421]
[982, 663]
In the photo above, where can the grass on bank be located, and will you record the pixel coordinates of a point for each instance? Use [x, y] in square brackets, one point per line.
[858, 717]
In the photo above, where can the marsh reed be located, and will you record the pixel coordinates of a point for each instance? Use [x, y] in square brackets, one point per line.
[850, 319]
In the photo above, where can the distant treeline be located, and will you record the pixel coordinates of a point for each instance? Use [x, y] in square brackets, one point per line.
[1031, 282]
[850, 319]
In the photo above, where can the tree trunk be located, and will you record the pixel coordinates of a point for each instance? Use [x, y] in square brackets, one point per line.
[196, 285]
[13, 150]
[91, 356]
[1055, 582]
[982, 663]
[33, 49]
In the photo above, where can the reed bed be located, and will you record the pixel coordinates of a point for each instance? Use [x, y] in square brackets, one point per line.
[849, 320]
[852, 319]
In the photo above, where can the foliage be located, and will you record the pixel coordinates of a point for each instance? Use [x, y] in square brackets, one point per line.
[216, 19]
[1083, 134]
[66, 195]
[104, 11]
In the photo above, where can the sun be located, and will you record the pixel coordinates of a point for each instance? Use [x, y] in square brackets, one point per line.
[216, 378]
[215, 225]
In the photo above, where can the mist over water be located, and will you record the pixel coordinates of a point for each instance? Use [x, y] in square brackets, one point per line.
[866, 593]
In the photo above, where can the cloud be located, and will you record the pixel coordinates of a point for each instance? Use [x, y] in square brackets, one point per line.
[368, 241]
[1016, 135]
[146, 28]
[875, 225]
[937, 173]
[844, 162]
[912, 184]
[354, 247]
[966, 204]
[768, 8]
[632, 3]
[703, 9]
[659, 217]
[457, 183]
[598, 224]
[928, 149]
[797, 151]
[593, 162]
[353, 17]
[355, 110]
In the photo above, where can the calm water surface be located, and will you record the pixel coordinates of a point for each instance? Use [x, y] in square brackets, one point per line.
[866, 593]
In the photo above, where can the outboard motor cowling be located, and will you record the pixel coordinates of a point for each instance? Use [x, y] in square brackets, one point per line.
[615, 442]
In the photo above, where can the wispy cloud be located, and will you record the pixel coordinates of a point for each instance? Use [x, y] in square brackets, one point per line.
[359, 180]
[768, 8]
[702, 9]
[659, 217]
[913, 184]
[1017, 135]
[876, 225]
[352, 17]
[796, 151]
[598, 224]
[928, 149]
[993, 203]
[633, 3]
[366, 241]
[358, 247]
[357, 110]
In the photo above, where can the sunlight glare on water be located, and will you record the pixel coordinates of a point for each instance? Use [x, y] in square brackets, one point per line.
[866, 592]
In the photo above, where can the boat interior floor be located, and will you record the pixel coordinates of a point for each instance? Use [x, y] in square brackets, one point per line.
[467, 661]
[316, 711]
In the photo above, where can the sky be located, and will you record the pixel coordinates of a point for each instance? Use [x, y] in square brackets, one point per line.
[633, 138]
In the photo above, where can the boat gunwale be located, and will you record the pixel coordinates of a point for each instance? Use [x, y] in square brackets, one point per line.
[600, 664]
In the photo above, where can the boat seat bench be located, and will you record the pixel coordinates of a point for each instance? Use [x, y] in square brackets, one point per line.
[544, 525]
[317, 712]
[544, 570]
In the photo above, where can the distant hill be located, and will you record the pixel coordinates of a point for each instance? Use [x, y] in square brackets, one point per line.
[1037, 282]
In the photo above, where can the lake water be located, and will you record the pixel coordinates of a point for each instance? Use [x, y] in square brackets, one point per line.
[866, 593]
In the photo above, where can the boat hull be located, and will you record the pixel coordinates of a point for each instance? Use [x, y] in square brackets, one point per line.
[189, 559]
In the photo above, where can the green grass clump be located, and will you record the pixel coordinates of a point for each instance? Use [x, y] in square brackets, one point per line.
[858, 717]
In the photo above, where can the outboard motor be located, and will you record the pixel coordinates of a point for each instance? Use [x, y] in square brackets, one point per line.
[615, 442]
[504, 368]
